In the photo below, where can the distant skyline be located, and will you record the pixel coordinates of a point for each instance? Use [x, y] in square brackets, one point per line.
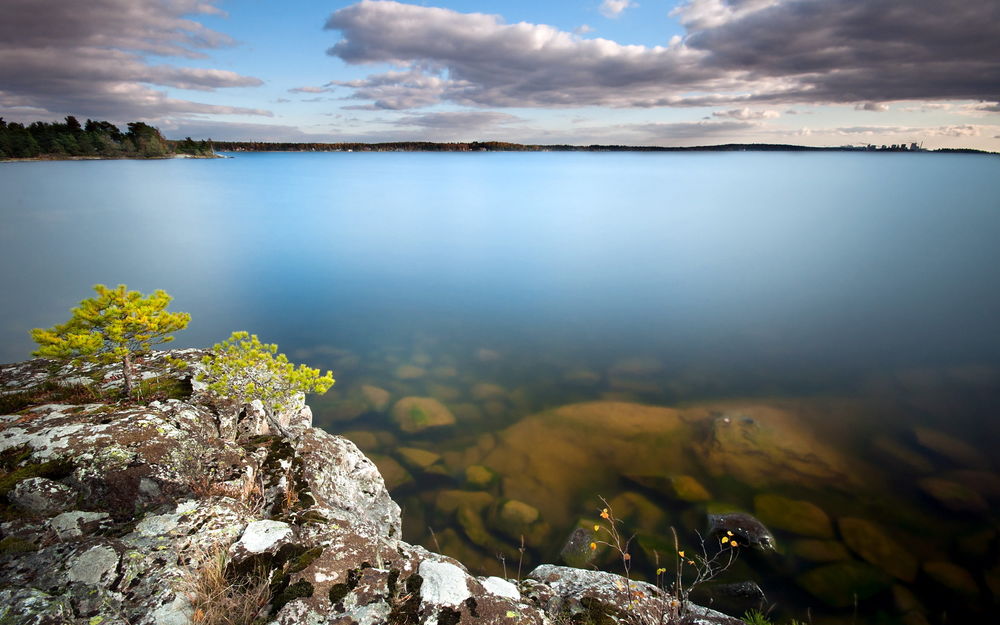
[636, 72]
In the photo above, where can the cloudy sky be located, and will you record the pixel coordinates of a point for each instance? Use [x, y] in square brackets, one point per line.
[658, 72]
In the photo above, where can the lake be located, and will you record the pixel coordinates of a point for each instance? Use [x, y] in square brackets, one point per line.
[813, 338]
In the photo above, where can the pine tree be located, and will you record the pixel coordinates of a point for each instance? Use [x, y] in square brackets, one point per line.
[112, 327]
[243, 369]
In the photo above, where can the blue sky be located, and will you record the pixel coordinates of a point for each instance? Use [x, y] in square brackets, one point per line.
[686, 72]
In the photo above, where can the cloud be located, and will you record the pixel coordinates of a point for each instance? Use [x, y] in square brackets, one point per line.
[877, 107]
[460, 121]
[989, 107]
[310, 90]
[59, 58]
[613, 8]
[745, 113]
[582, 29]
[736, 52]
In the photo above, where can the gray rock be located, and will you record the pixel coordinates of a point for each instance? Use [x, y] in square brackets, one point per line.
[41, 496]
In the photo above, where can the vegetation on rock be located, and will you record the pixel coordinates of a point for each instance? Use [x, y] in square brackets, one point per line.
[112, 327]
[243, 369]
[95, 139]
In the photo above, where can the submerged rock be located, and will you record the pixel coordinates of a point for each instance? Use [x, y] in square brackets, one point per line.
[955, 450]
[841, 584]
[792, 515]
[816, 550]
[744, 527]
[680, 487]
[875, 546]
[952, 577]
[415, 414]
[954, 496]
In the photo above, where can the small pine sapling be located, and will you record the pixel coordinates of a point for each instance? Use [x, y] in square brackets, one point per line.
[243, 369]
[112, 327]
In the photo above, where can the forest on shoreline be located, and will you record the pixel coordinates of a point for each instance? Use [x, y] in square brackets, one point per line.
[92, 139]
[102, 139]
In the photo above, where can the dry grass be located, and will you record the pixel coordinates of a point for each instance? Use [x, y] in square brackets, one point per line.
[219, 597]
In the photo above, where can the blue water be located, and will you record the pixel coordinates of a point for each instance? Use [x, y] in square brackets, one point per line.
[835, 260]
[872, 277]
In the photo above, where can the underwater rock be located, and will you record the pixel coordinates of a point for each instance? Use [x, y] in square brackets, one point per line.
[478, 476]
[578, 552]
[870, 542]
[392, 472]
[638, 511]
[764, 445]
[443, 392]
[745, 528]
[551, 458]
[516, 518]
[636, 366]
[793, 515]
[841, 583]
[985, 483]
[417, 459]
[582, 377]
[901, 455]
[955, 450]
[409, 372]
[680, 487]
[816, 550]
[484, 391]
[487, 355]
[954, 496]
[905, 601]
[377, 398]
[415, 414]
[444, 371]
[365, 440]
[449, 501]
[952, 577]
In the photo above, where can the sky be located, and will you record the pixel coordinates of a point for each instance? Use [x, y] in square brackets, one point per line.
[626, 72]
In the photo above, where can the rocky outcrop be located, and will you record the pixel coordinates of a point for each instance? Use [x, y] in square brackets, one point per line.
[167, 510]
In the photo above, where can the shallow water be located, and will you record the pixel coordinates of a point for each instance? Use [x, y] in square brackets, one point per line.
[825, 304]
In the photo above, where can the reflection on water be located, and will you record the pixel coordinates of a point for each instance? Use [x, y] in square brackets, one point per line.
[809, 338]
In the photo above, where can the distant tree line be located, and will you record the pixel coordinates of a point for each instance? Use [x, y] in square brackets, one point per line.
[98, 139]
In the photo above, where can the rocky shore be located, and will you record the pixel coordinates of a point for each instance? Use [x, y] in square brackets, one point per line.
[162, 510]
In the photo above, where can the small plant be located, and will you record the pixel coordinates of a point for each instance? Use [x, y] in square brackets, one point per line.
[112, 327]
[243, 369]
[756, 617]
[221, 597]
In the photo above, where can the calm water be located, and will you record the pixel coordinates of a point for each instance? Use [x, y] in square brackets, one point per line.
[854, 294]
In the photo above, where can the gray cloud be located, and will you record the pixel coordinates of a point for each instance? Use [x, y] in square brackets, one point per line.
[736, 52]
[458, 121]
[746, 113]
[310, 90]
[59, 58]
[875, 107]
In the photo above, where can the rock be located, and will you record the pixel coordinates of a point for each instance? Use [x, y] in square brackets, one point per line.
[366, 441]
[487, 355]
[418, 459]
[954, 496]
[901, 455]
[392, 472]
[478, 476]
[742, 527]
[449, 501]
[906, 602]
[986, 483]
[841, 584]
[443, 392]
[636, 366]
[816, 550]
[955, 450]
[484, 391]
[77, 523]
[416, 414]
[377, 398]
[799, 517]
[501, 587]
[516, 518]
[582, 377]
[596, 596]
[638, 511]
[952, 577]
[41, 496]
[409, 372]
[680, 487]
[259, 537]
[763, 445]
[870, 542]
[444, 372]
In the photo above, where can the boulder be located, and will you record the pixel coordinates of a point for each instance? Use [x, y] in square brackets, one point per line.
[875, 546]
[955, 450]
[954, 496]
[842, 583]
[478, 476]
[416, 414]
[377, 398]
[792, 515]
[418, 459]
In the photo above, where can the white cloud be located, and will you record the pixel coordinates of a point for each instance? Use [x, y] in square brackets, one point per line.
[746, 113]
[614, 8]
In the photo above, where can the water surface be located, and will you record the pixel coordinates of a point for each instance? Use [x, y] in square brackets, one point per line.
[854, 292]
